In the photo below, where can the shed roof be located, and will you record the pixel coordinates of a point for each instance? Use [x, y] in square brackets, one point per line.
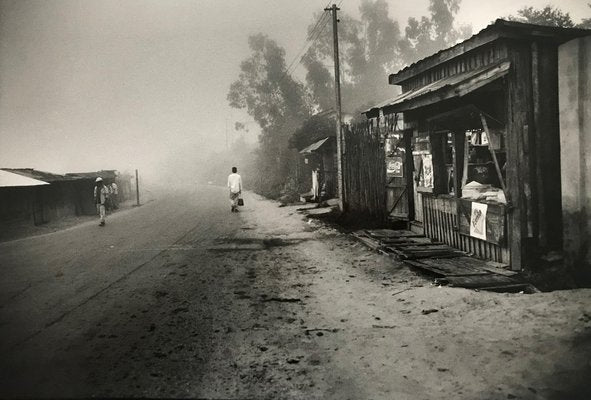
[315, 146]
[105, 174]
[39, 175]
[499, 29]
[445, 88]
[11, 179]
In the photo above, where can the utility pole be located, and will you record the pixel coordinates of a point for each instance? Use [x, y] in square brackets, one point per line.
[337, 86]
[137, 188]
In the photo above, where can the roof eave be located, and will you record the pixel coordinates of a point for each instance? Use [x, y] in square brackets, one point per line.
[499, 29]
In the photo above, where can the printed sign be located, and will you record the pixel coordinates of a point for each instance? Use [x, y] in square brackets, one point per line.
[427, 180]
[394, 167]
[478, 220]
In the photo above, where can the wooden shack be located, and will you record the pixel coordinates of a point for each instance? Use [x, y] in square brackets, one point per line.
[477, 154]
[320, 156]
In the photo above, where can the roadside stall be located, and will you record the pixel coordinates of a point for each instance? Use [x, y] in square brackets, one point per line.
[481, 142]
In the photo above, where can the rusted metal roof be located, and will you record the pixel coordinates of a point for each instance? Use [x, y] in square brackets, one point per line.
[498, 29]
[315, 146]
[449, 87]
[105, 174]
[39, 175]
[11, 179]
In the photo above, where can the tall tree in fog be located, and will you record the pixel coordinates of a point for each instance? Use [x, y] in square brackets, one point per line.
[430, 34]
[373, 47]
[550, 16]
[368, 49]
[277, 103]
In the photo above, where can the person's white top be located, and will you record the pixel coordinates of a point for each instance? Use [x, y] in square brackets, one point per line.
[114, 188]
[235, 183]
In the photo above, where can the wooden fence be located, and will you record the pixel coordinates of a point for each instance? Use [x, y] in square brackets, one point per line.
[364, 172]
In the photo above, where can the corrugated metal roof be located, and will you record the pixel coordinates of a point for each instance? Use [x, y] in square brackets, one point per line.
[500, 26]
[457, 85]
[39, 175]
[10, 179]
[314, 146]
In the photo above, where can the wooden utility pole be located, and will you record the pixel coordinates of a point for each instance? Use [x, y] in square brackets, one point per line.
[137, 188]
[337, 86]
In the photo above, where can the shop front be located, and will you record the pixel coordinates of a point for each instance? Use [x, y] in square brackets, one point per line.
[479, 151]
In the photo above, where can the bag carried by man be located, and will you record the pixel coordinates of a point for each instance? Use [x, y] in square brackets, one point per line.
[240, 201]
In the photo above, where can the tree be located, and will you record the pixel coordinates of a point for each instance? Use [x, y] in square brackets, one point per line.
[586, 22]
[277, 103]
[368, 49]
[428, 35]
[549, 16]
[313, 129]
[373, 47]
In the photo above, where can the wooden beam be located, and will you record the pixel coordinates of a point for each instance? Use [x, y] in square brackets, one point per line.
[459, 155]
[494, 155]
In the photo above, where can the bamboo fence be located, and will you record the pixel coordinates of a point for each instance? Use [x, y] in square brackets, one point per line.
[364, 172]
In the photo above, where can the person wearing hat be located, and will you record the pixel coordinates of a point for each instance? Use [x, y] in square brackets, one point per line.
[100, 197]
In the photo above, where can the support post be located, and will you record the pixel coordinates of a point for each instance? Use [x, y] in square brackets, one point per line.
[339, 132]
[137, 188]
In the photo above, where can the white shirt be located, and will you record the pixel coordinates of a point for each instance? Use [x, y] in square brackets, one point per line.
[235, 183]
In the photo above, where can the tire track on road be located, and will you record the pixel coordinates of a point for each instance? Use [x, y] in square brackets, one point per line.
[109, 286]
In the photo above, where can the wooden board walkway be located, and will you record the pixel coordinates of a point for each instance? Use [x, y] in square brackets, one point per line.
[450, 266]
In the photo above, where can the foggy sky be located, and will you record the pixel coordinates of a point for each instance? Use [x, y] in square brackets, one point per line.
[86, 85]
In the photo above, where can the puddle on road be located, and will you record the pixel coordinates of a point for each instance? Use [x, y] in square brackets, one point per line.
[233, 244]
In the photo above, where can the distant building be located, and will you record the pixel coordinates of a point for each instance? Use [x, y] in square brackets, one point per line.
[58, 197]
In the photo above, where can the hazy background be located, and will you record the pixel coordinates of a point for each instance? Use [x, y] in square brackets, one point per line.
[89, 85]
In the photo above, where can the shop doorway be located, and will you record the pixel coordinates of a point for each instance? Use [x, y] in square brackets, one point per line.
[399, 177]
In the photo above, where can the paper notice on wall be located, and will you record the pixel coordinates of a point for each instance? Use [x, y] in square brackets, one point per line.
[427, 171]
[478, 220]
[394, 167]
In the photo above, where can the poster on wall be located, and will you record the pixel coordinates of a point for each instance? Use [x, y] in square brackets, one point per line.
[427, 171]
[478, 220]
[394, 167]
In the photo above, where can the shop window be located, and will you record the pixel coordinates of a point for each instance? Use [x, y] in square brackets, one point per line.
[423, 163]
[481, 181]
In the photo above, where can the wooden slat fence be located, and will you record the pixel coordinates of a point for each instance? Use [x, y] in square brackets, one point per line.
[364, 172]
[441, 223]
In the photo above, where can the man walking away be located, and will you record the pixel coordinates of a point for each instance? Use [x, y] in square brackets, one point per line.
[235, 186]
[100, 198]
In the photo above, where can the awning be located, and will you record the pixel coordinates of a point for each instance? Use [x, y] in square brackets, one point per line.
[315, 146]
[9, 179]
[446, 88]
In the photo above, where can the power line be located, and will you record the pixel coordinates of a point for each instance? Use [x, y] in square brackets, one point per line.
[312, 36]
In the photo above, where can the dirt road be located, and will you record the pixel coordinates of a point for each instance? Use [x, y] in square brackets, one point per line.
[181, 298]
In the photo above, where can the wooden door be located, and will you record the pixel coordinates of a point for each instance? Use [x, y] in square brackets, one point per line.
[399, 166]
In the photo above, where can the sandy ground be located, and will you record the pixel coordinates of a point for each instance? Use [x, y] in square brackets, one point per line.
[181, 298]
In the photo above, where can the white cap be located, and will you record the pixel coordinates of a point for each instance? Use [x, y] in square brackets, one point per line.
[99, 179]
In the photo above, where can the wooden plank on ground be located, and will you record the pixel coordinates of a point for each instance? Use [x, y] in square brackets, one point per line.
[425, 247]
[371, 243]
[418, 255]
[390, 233]
[513, 288]
[424, 267]
[418, 245]
[451, 268]
[479, 281]
[407, 240]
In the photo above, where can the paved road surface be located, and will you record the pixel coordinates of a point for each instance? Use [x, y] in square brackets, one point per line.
[181, 298]
[76, 304]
